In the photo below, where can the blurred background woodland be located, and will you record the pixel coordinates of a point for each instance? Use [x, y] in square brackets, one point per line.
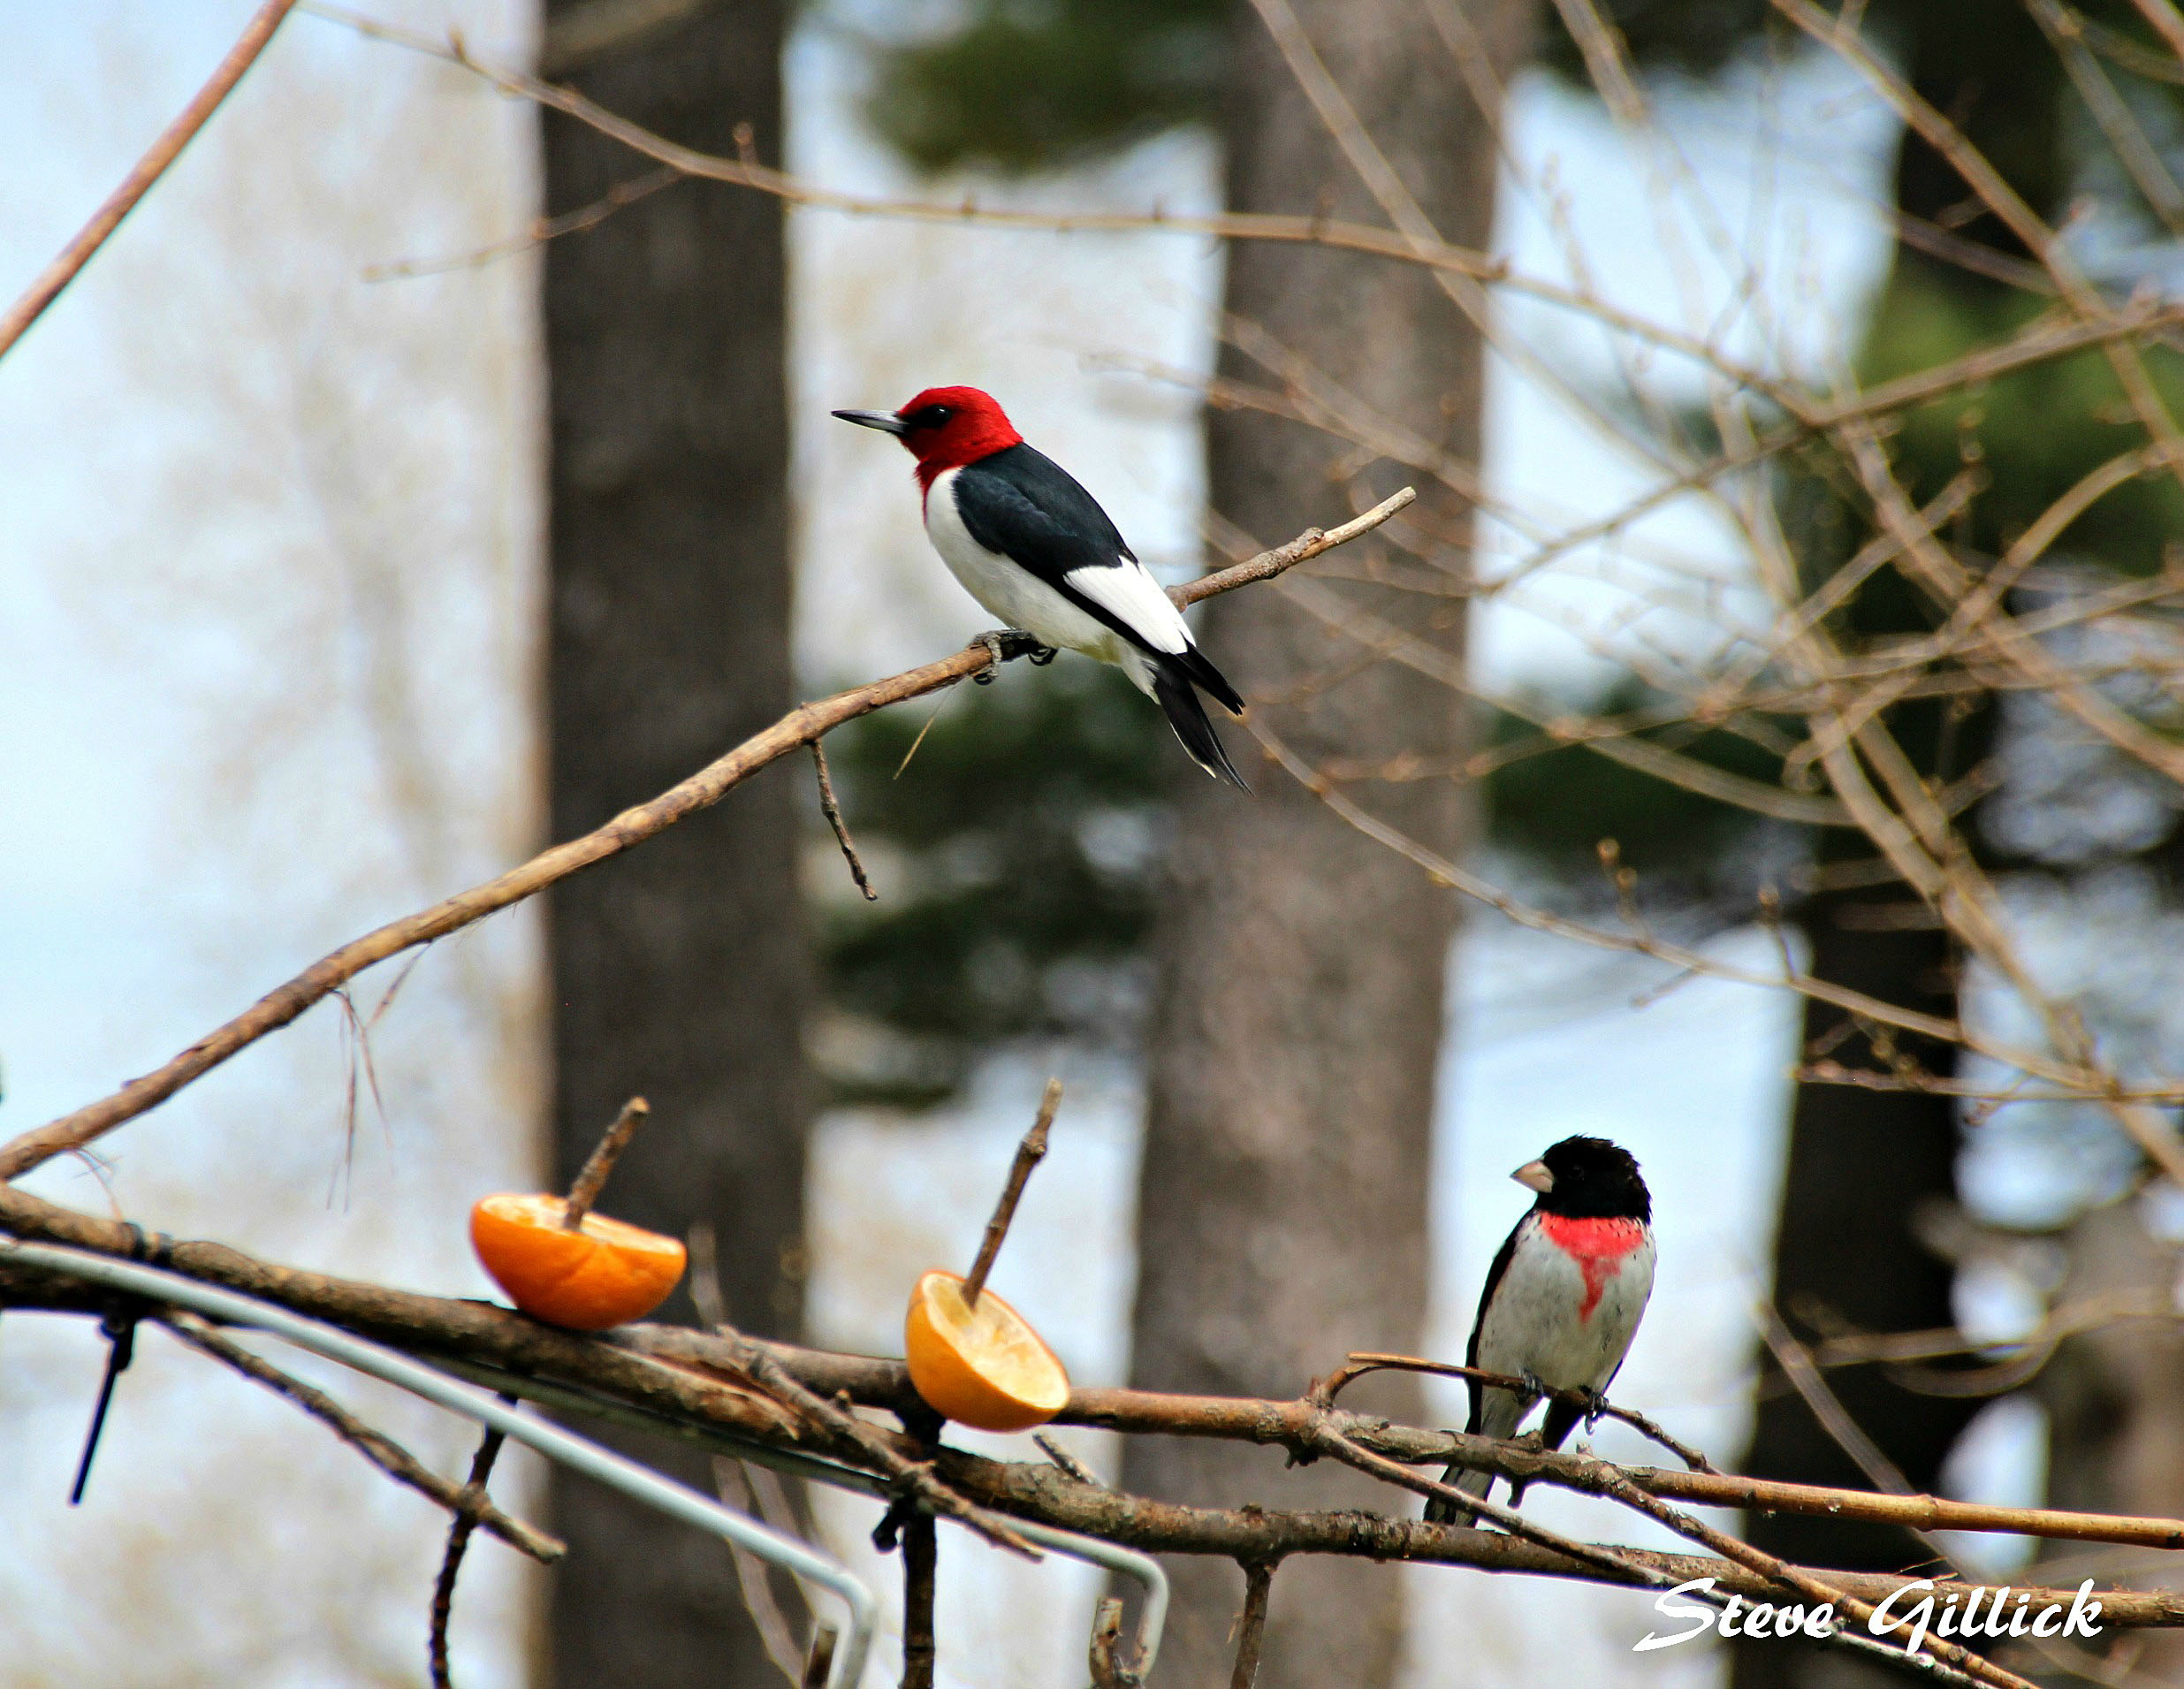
[356, 537]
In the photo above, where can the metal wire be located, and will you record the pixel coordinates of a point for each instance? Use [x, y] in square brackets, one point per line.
[429, 1381]
[603, 1465]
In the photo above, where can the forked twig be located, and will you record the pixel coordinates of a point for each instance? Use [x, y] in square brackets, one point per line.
[451, 1562]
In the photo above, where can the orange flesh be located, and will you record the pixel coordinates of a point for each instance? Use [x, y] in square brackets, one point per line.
[983, 1366]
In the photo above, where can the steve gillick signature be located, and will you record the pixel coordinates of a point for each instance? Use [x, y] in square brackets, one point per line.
[1739, 1618]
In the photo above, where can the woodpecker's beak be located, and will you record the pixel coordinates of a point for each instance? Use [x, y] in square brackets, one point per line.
[885, 421]
[1534, 1175]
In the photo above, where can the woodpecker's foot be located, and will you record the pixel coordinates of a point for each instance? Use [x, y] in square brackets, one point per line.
[1596, 1404]
[1534, 1383]
[1043, 655]
[1005, 644]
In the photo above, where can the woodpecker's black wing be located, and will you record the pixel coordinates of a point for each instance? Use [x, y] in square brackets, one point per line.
[1021, 504]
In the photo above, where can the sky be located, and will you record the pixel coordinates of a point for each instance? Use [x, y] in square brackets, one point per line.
[268, 565]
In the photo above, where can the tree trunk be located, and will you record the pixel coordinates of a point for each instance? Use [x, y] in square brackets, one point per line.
[1861, 1164]
[677, 971]
[2115, 1403]
[1298, 1022]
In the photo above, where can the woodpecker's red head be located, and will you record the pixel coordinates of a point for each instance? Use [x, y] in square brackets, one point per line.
[943, 427]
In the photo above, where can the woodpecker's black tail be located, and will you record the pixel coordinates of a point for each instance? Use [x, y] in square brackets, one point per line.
[1178, 700]
[1195, 666]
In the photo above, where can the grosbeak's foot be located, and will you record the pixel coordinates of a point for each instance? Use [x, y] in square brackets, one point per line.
[1596, 1404]
[1043, 655]
[1005, 644]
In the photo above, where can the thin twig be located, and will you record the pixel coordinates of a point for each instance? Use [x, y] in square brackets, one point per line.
[1801, 1581]
[731, 1483]
[376, 1446]
[1444, 870]
[1030, 1153]
[592, 1179]
[1827, 1407]
[751, 1488]
[1252, 1623]
[451, 1562]
[148, 170]
[1778, 1574]
[915, 1477]
[1063, 1458]
[1361, 1362]
[820, 1665]
[542, 229]
[2163, 17]
[832, 809]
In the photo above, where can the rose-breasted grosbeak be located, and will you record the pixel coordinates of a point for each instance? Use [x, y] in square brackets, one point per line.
[1563, 1299]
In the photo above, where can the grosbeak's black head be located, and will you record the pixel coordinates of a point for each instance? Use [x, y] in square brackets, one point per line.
[1588, 1178]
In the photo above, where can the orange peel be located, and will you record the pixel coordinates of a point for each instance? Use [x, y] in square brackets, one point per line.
[604, 1273]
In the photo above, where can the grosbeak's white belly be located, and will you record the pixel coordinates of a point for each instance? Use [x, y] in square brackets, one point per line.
[1565, 1308]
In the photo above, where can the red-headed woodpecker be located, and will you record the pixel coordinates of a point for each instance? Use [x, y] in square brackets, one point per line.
[1033, 547]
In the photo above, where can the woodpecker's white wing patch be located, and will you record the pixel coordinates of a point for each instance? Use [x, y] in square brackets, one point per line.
[1132, 596]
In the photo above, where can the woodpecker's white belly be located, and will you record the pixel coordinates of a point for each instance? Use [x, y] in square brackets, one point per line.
[1567, 1319]
[1021, 599]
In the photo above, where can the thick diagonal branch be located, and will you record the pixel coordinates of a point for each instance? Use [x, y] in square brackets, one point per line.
[802, 725]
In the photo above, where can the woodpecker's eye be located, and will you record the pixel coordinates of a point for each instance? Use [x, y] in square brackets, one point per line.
[928, 416]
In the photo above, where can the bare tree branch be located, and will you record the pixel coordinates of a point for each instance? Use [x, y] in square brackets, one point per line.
[148, 170]
[802, 725]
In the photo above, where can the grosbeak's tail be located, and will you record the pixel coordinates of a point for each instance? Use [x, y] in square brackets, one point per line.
[1472, 1483]
[1179, 700]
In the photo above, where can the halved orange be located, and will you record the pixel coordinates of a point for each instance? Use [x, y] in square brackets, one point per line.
[982, 1366]
[605, 1272]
